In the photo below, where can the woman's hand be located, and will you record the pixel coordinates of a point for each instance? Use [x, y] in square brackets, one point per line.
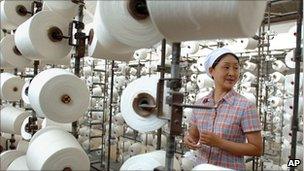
[191, 142]
[210, 139]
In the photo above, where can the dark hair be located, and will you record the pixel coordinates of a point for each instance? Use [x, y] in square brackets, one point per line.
[221, 57]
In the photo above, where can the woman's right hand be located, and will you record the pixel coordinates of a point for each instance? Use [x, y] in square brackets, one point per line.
[191, 143]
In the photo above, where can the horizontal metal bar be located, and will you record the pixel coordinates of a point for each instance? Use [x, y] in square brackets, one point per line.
[97, 96]
[27, 76]
[96, 149]
[95, 162]
[99, 70]
[275, 2]
[169, 79]
[97, 136]
[98, 83]
[96, 110]
[131, 138]
[195, 106]
[136, 65]
[96, 123]
[283, 17]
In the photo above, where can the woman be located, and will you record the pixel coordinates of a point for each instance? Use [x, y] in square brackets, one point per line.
[220, 134]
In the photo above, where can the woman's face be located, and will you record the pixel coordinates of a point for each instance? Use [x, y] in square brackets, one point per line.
[226, 73]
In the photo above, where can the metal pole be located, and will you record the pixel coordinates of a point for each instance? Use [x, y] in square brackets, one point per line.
[161, 87]
[80, 49]
[110, 119]
[258, 103]
[175, 74]
[80, 43]
[262, 64]
[297, 59]
[12, 140]
[266, 73]
[103, 114]
[36, 64]
[32, 128]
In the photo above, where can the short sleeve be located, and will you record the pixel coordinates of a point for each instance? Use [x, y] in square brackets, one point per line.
[193, 117]
[250, 120]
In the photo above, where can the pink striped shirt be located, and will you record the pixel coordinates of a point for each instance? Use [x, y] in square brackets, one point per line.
[234, 116]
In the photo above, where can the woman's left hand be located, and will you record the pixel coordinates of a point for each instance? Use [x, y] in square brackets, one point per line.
[210, 139]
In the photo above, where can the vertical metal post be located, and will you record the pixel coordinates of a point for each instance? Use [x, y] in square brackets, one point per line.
[103, 114]
[110, 119]
[161, 87]
[80, 43]
[175, 75]
[32, 120]
[266, 70]
[258, 103]
[15, 73]
[80, 49]
[268, 54]
[297, 59]
[262, 63]
[12, 140]
[36, 64]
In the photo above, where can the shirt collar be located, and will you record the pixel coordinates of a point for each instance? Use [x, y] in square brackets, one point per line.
[229, 97]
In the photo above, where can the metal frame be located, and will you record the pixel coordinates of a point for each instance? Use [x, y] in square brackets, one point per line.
[294, 125]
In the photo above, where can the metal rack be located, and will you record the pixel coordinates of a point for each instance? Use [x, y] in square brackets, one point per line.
[175, 100]
[101, 123]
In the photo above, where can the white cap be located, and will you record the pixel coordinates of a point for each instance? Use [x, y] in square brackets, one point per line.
[213, 56]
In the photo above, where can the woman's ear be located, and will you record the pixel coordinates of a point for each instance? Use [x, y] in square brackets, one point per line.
[211, 71]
